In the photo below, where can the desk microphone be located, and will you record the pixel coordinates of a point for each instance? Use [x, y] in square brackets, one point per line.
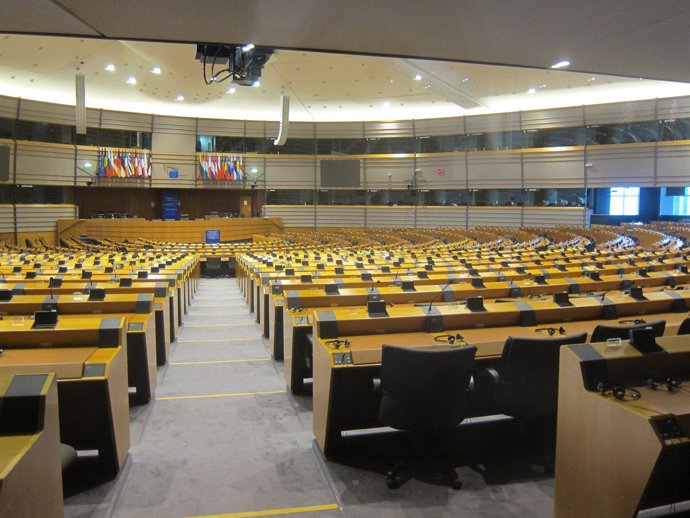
[434, 323]
[50, 287]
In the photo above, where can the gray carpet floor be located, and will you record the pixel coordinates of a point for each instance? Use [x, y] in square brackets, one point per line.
[224, 438]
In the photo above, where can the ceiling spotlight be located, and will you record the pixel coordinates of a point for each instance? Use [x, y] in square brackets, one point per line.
[531, 91]
[255, 170]
[256, 83]
[87, 164]
[156, 70]
[386, 105]
[592, 79]
[248, 47]
[465, 79]
[232, 90]
[561, 64]
[418, 77]
[180, 97]
[109, 68]
[131, 80]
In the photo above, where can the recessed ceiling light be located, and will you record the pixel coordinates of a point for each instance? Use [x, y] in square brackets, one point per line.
[465, 79]
[543, 85]
[560, 64]
[179, 97]
[248, 47]
[131, 80]
[592, 79]
[232, 90]
[156, 70]
[110, 67]
[255, 170]
[531, 91]
[418, 77]
[256, 84]
[386, 104]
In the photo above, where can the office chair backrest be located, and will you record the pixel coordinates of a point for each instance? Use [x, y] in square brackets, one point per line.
[684, 328]
[603, 332]
[425, 389]
[529, 375]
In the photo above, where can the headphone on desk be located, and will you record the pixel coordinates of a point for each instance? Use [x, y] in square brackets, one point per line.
[670, 384]
[551, 330]
[450, 339]
[619, 392]
[337, 343]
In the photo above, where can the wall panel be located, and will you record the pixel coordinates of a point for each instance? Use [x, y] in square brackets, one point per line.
[432, 217]
[390, 217]
[620, 112]
[383, 129]
[47, 112]
[553, 118]
[493, 122]
[553, 217]
[436, 127]
[620, 165]
[510, 217]
[673, 165]
[498, 170]
[221, 128]
[8, 107]
[454, 172]
[292, 215]
[40, 163]
[554, 169]
[340, 216]
[34, 218]
[384, 173]
[338, 130]
[126, 121]
[6, 219]
[290, 172]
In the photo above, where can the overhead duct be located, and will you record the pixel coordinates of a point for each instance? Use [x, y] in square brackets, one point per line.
[284, 121]
[80, 84]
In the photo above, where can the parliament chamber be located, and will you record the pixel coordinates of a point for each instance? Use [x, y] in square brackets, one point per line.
[344, 259]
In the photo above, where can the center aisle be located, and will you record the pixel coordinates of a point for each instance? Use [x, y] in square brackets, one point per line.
[222, 435]
[223, 439]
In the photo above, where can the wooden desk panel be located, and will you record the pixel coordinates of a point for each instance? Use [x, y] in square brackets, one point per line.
[31, 461]
[609, 455]
[92, 395]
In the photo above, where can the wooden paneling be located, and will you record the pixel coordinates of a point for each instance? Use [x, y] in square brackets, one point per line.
[231, 229]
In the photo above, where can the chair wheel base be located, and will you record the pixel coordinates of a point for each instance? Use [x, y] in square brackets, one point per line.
[392, 482]
[456, 484]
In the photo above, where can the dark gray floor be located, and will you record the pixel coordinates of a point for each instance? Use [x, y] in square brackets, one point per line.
[247, 446]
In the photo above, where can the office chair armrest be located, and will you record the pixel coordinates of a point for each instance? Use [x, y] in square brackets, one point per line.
[487, 382]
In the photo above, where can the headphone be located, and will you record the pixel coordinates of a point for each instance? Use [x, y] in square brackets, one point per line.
[670, 384]
[551, 330]
[450, 339]
[619, 392]
[337, 343]
[636, 321]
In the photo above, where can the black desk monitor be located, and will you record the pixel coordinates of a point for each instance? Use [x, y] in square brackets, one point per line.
[142, 274]
[97, 294]
[30, 275]
[86, 274]
[125, 282]
[45, 319]
[377, 308]
[5, 295]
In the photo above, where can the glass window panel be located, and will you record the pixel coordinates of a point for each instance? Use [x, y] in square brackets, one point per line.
[44, 132]
[341, 197]
[290, 197]
[624, 201]
[6, 128]
[674, 129]
[554, 137]
[343, 146]
[441, 144]
[380, 146]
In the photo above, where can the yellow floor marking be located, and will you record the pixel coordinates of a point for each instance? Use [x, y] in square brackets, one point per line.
[236, 394]
[275, 512]
[222, 361]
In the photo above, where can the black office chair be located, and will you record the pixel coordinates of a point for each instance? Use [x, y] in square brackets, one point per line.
[424, 392]
[684, 328]
[525, 387]
[213, 267]
[603, 332]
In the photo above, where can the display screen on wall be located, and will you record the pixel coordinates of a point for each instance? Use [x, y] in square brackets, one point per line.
[339, 173]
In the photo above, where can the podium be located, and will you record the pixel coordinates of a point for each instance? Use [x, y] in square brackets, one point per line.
[616, 457]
